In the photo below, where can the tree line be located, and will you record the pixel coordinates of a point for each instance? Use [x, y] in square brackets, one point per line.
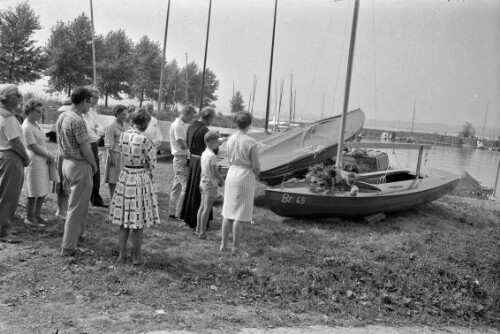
[123, 67]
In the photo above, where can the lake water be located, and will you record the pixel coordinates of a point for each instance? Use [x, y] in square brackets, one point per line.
[481, 164]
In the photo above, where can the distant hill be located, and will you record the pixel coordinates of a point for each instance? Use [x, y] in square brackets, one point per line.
[439, 128]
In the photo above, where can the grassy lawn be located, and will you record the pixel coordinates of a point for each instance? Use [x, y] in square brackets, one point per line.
[435, 265]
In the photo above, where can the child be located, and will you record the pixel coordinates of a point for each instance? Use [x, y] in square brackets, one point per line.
[210, 179]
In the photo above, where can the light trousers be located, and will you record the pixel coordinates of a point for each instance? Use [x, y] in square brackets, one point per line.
[178, 186]
[11, 183]
[78, 174]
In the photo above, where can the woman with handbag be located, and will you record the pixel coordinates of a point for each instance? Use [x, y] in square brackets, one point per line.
[37, 174]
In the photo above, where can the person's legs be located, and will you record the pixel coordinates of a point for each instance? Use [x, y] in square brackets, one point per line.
[38, 208]
[199, 216]
[122, 243]
[227, 224]
[178, 186]
[237, 231]
[95, 198]
[79, 175]
[207, 204]
[112, 187]
[137, 244]
[62, 205]
[30, 209]
[11, 180]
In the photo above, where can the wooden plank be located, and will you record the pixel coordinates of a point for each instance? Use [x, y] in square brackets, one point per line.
[419, 164]
[402, 146]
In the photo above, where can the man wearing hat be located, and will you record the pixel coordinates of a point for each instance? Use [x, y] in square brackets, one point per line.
[13, 159]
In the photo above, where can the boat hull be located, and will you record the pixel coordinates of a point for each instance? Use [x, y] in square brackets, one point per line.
[300, 199]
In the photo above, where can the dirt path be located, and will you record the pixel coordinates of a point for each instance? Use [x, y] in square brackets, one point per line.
[351, 330]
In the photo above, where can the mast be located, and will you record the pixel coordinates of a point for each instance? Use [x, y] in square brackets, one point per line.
[162, 75]
[93, 44]
[291, 101]
[413, 118]
[271, 68]
[186, 92]
[485, 116]
[347, 87]
[205, 58]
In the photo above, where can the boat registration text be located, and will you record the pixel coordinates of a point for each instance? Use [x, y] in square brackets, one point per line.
[293, 199]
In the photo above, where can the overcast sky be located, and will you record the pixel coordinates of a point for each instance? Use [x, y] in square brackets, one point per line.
[443, 54]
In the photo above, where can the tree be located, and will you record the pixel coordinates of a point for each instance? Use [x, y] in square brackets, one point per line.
[468, 131]
[147, 63]
[20, 60]
[70, 51]
[195, 75]
[173, 84]
[116, 65]
[236, 102]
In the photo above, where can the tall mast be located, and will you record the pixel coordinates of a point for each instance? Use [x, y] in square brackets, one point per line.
[205, 58]
[485, 116]
[93, 44]
[271, 68]
[162, 73]
[347, 87]
[413, 118]
[291, 100]
[186, 92]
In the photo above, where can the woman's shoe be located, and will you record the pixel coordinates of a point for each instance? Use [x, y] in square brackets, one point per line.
[42, 220]
[30, 223]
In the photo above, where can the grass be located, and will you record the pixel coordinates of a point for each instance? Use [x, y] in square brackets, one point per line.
[435, 265]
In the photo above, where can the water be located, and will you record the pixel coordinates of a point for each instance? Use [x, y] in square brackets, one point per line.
[481, 164]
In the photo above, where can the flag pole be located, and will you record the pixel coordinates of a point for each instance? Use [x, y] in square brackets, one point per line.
[162, 75]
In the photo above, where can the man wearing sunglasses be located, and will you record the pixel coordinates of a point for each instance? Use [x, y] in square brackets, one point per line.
[13, 159]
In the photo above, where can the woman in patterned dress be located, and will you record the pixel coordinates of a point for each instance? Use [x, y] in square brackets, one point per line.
[135, 204]
[112, 135]
[37, 172]
[244, 167]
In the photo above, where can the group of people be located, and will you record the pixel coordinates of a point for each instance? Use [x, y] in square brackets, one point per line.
[131, 144]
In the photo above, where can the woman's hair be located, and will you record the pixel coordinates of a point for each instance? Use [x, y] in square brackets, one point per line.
[31, 105]
[243, 119]
[140, 117]
[118, 109]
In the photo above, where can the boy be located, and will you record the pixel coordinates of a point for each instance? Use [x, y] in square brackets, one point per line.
[210, 179]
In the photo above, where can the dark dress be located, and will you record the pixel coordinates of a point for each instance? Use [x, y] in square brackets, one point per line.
[192, 199]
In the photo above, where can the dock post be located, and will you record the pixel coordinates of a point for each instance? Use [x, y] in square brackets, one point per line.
[496, 180]
[419, 164]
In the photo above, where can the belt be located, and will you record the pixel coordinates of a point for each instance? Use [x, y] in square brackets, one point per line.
[134, 167]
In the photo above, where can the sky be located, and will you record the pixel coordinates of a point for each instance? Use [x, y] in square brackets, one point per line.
[440, 57]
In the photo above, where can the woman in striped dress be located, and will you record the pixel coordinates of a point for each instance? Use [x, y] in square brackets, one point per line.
[242, 153]
[135, 203]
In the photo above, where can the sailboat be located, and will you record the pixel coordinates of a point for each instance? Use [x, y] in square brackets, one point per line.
[370, 193]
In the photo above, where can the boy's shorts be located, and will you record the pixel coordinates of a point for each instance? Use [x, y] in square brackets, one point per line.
[208, 189]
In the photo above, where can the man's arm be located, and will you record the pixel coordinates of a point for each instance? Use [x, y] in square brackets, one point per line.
[87, 153]
[18, 147]
[182, 144]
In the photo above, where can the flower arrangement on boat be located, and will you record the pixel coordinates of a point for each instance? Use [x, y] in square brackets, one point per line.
[324, 177]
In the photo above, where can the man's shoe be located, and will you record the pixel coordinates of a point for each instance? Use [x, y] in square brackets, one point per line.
[10, 239]
[102, 205]
[30, 223]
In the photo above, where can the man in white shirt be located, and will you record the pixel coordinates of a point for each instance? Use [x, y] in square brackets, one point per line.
[153, 131]
[179, 149]
[94, 129]
[13, 159]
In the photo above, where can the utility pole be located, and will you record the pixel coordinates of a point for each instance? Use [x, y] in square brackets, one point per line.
[162, 75]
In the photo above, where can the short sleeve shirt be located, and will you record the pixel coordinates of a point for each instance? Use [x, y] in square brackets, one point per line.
[9, 129]
[72, 133]
[208, 159]
[153, 132]
[178, 130]
[239, 146]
